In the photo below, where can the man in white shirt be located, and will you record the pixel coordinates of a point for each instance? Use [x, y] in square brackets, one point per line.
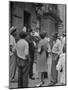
[22, 49]
[12, 45]
[56, 51]
[57, 47]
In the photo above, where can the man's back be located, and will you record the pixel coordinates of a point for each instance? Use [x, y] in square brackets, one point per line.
[57, 47]
[22, 48]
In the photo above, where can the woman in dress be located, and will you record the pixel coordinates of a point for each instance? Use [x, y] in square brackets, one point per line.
[41, 59]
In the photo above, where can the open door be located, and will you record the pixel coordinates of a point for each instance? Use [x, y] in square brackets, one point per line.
[27, 19]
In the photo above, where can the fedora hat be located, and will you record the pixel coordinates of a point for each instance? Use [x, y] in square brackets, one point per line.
[55, 35]
[64, 34]
[12, 29]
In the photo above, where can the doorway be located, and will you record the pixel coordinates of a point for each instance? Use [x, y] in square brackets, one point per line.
[27, 19]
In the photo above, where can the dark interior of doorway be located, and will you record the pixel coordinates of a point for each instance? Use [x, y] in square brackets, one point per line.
[27, 19]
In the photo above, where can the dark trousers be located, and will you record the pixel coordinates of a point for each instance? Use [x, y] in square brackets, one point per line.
[23, 71]
[42, 76]
[31, 67]
[54, 72]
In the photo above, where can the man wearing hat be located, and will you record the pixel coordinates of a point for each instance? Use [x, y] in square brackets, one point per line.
[12, 44]
[56, 51]
[30, 40]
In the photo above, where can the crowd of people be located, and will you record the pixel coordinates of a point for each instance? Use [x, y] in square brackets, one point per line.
[31, 54]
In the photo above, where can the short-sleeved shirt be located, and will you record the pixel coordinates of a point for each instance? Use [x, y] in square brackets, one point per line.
[22, 48]
[57, 47]
[12, 42]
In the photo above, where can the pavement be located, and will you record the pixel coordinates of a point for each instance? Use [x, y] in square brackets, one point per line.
[31, 84]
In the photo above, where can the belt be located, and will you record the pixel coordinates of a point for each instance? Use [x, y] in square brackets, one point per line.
[54, 53]
[22, 59]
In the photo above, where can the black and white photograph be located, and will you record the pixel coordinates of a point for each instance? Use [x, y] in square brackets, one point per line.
[37, 44]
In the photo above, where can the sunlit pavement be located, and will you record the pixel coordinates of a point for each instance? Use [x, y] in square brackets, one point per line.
[32, 83]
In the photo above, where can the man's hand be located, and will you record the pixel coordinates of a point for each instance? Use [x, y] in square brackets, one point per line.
[27, 56]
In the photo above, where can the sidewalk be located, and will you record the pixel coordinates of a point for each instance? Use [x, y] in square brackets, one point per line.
[32, 83]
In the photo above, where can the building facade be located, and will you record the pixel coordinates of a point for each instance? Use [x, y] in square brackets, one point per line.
[45, 17]
[49, 18]
[62, 15]
[22, 14]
